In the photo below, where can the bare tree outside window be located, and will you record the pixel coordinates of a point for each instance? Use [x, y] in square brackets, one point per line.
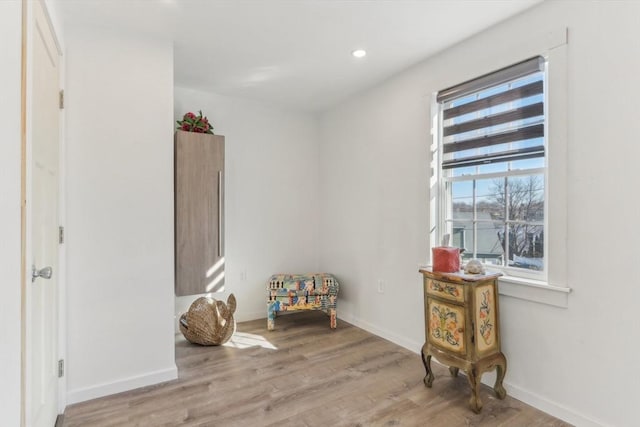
[522, 235]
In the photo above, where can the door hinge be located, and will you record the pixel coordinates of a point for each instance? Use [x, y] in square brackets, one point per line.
[61, 234]
[61, 100]
[60, 368]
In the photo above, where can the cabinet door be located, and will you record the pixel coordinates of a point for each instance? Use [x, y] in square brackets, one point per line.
[485, 318]
[445, 326]
[199, 210]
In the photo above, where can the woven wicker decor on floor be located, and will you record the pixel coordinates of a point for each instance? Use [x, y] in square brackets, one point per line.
[208, 321]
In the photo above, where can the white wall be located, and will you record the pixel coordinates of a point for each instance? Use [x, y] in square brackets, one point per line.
[374, 208]
[10, 160]
[575, 362]
[119, 212]
[271, 187]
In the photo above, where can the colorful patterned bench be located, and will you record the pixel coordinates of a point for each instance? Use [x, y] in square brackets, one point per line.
[299, 292]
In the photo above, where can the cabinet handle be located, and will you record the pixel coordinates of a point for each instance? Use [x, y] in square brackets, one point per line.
[45, 273]
[220, 213]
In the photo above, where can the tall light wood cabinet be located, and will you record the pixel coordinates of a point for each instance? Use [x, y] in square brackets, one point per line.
[199, 212]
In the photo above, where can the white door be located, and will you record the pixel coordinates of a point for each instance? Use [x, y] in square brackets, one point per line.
[41, 343]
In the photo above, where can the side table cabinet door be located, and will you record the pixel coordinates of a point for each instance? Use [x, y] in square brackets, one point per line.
[485, 318]
[446, 324]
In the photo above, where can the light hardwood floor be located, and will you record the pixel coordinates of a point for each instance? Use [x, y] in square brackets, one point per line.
[303, 374]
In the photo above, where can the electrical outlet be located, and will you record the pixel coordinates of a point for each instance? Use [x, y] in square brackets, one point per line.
[380, 286]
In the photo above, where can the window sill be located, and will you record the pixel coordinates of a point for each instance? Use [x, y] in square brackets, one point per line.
[534, 290]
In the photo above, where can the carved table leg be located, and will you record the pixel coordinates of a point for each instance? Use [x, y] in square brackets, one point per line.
[426, 360]
[454, 371]
[501, 370]
[474, 382]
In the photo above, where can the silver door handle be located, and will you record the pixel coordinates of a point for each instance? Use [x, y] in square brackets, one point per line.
[45, 273]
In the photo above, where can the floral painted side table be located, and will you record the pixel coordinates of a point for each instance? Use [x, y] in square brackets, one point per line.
[462, 328]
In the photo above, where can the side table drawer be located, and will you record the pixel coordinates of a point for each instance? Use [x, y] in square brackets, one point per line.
[445, 290]
[445, 326]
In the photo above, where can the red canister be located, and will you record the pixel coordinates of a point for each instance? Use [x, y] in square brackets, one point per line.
[446, 259]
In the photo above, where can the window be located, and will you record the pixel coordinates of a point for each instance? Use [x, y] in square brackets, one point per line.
[492, 168]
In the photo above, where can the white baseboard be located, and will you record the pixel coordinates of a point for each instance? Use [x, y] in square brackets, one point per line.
[239, 316]
[410, 345]
[105, 389]
[552, 408]
[243, 316]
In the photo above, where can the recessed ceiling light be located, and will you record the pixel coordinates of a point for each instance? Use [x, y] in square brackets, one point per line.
[359, 53]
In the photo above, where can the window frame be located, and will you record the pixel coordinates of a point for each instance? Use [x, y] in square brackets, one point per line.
[444, 196]
[553, 46]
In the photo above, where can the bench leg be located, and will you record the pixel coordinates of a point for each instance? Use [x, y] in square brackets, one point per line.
[271, 316]
[334, 318]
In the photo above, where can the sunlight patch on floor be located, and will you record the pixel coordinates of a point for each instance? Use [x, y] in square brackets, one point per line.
[246, 340]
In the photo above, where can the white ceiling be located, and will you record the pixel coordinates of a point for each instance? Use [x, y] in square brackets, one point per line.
[295, 53]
